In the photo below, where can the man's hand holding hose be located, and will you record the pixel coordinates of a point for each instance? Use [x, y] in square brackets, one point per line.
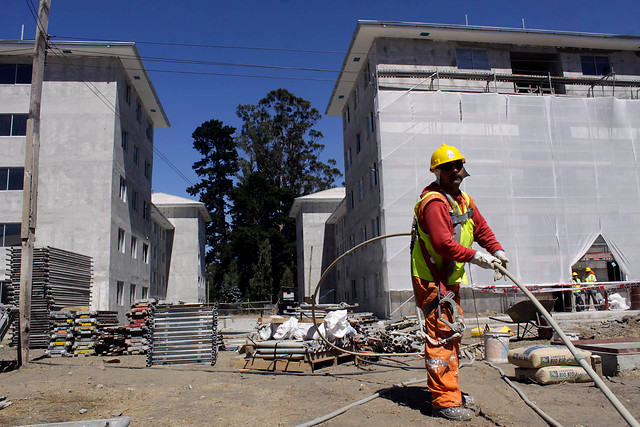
[489, 262]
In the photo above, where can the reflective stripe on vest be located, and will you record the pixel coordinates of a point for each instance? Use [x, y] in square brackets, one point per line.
[463, 234]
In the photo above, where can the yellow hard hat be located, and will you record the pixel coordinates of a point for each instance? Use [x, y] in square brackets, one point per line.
[574, 274]
[588, 270]
[445, 154]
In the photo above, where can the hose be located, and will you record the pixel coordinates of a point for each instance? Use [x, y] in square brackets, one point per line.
[526, 400]
[359, 402]
[315, 295]
[576, 354]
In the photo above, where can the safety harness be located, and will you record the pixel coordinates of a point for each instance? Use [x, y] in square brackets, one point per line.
[445, 297]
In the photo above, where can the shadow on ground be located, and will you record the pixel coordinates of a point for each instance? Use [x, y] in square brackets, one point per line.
[418, 398]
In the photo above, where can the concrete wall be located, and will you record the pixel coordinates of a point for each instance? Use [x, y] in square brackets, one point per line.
[81, 162]
[406, 56]
[186, 277]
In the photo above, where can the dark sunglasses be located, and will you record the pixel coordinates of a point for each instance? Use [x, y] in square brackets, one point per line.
[458, 164]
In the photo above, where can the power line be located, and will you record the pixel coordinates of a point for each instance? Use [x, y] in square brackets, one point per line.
[277, 49]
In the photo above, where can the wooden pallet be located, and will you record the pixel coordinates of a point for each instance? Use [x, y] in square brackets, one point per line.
[309, 363]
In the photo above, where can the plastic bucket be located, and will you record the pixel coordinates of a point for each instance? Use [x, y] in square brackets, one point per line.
[496, 346]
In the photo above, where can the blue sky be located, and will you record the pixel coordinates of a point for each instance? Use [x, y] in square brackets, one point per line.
[284, 31]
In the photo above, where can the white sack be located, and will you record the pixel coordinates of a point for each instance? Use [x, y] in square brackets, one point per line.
[286, 329]
[617, 302]
[336, 324]
[301, 332]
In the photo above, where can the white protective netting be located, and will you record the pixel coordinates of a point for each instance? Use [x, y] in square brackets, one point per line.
[548, 173]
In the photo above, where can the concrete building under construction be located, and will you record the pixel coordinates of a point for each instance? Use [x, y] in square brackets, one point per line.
[549, 122]
[98, 115]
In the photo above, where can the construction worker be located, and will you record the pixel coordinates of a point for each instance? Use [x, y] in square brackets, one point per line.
[577, 293]
[446, 223]
[590, 291]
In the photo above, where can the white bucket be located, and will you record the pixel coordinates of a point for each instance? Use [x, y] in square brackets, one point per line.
[496, 347]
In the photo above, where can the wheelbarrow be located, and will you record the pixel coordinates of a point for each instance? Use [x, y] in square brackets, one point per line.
[527, 319]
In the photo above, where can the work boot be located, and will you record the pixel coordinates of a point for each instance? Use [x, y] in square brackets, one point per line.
[453, 413]
[467, 400]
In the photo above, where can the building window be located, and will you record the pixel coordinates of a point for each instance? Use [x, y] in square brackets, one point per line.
[11, 178]
[154, 251]
[124, 139]
[10, 234]
[13, 124]
[123, 189]
[134, 201]
[135, 155]
[378, 285]
[132, 293]
[119, 293]
[145, 210]
[355, 97]
[371, 124]
[595, 65]
[363, 233]
[162, 256]
[375, 227]
[138, 111]
[358, 143]
[348, 158]
[373, 170]
[127, 94]
[367, 74]
[121, 244]
[145, 292]
[354, 289]
[472, 59]
[11, 74]
[134, 247]
[148, 131]
[145, 253]
[365, 287]
[351, 201]
[155, 227]
[147, 170]
[361, 186]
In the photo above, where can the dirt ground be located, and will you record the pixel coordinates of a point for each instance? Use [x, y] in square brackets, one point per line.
[87, 388]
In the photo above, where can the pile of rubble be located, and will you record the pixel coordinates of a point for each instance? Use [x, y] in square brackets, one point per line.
[388, 336]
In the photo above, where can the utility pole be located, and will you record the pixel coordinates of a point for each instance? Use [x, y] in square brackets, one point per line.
[30, 187]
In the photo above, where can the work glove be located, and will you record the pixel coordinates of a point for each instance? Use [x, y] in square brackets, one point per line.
[484, 260]
[502, 256]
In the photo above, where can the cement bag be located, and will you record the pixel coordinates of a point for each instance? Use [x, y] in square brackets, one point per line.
[537, 356]
[302, 331]
[554, 374]
[286, 329]
[336, 324]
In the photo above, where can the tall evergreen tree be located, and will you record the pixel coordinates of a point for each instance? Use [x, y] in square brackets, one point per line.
[279, 161]
[253, 179]
[217, 168]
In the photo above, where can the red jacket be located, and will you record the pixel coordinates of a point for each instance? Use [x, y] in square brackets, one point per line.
[435, 220]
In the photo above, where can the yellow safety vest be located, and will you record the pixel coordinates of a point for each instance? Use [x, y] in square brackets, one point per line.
[590, 278]
[463, 234]
[575, 286]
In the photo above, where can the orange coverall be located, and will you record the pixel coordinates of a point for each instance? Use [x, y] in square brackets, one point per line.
[442, 360]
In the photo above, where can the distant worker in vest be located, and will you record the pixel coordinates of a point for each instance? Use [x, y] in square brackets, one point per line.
[577, 293]
[446, 223]
[590, 291]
